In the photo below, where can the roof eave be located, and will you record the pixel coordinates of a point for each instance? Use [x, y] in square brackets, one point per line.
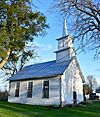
[61, 50]
[62, 37]
[35, 78]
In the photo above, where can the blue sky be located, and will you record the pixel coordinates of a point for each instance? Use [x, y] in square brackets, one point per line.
[47, 44]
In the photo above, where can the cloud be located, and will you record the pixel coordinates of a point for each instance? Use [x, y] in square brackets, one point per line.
[44, 47]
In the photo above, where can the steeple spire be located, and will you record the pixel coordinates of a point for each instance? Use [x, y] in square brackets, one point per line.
[65, 33]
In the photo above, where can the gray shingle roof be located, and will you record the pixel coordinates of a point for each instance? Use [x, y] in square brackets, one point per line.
[41, 70]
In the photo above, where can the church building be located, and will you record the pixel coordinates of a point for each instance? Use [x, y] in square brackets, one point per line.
[57, 82]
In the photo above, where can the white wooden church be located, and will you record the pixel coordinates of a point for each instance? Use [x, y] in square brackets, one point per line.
[57, 82]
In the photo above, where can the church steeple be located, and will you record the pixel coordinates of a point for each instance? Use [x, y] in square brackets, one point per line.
[65, 33]
[65, 46]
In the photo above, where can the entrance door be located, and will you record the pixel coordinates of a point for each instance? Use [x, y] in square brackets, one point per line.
[74, 97]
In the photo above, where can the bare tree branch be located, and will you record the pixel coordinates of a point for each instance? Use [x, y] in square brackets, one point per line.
[83, 17]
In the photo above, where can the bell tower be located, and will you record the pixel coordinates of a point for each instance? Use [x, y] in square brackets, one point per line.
[65, 45]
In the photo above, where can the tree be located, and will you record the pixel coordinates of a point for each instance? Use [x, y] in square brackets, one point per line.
[86, 89]
[84, 22]
[18, 25]
[17, 61]
[92, 83]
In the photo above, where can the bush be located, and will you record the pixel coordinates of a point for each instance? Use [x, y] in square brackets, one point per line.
[4, 95]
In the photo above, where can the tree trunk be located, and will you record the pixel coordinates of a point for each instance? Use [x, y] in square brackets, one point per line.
[3, 62]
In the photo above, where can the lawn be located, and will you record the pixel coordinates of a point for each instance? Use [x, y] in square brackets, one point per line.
[21, 110]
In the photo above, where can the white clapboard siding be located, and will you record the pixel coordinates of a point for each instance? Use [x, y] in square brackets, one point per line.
[54, 92]
[71, 80]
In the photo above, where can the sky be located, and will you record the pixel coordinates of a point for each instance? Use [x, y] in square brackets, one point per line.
[48, 44]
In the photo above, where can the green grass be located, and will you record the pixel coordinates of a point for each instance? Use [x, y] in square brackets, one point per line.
[21, 110]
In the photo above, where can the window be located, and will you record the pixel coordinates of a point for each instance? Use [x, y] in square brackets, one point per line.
[9, 88]
[46, 89]
[61, 44]
[17, 89]
[29, 90]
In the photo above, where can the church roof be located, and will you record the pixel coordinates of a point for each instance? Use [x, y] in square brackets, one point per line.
[41, 70]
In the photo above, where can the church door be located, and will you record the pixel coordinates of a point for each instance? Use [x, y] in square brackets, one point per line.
[74, 97]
